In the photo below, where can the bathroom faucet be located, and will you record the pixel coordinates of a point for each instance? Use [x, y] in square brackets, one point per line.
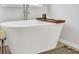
[26, 11]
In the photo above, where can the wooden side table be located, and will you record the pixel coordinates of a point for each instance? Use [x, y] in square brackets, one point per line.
[2, 45]
[2, 39]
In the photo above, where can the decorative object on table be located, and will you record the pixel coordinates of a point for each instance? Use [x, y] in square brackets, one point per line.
[44, 16]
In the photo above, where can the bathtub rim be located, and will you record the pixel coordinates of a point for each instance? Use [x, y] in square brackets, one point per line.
[9, 26]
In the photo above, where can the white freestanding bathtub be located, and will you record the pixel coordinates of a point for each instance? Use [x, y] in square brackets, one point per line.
[31, 36]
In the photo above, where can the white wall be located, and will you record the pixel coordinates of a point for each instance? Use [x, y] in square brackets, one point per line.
[70, 13]
[38, 11]
[7, 13]
[16, 13]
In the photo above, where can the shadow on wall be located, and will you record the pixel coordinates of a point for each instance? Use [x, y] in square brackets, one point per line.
[71, 34]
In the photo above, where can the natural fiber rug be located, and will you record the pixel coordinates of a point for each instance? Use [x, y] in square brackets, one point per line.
[61, 50]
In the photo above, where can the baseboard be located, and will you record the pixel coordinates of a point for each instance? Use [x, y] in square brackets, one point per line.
[71, 45]
[59, 44]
